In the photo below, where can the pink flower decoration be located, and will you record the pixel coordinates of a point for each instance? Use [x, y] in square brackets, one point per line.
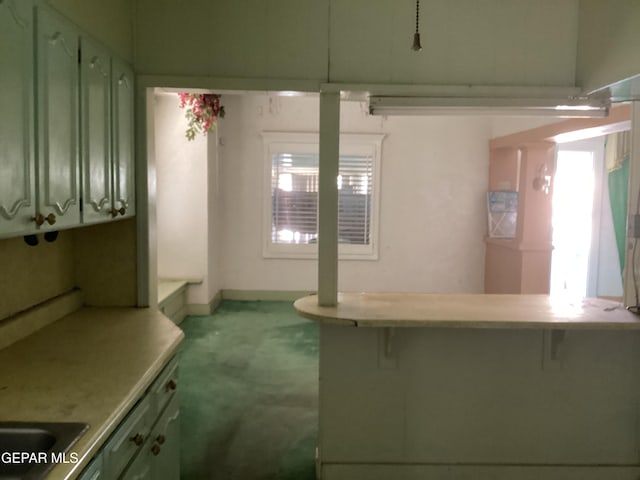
[201, 111]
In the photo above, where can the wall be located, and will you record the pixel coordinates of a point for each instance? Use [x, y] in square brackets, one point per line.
[231, 38]
[186, 202]
[99, 259]
[105, 263]
[31, 275]
[109, 22]
[607, 42]
[433, 208]
[518, 42]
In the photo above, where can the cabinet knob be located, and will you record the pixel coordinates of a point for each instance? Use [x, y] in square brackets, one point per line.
[114, 212]
[160, 439]
[155, 449]
[40, 219]
[137, 439]
[171, 385]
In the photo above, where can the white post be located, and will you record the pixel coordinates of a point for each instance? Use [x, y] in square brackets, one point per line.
[632, 263]
[328, 199]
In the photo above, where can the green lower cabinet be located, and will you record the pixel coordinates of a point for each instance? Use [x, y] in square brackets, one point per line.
[160, 455]
[146, 444]
[94, 470]
[140, 469]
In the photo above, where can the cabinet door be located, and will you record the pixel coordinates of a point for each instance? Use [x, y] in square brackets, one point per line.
[123, 139]
[96, 132]
[17, 177]
[165, 447]
[57, 99]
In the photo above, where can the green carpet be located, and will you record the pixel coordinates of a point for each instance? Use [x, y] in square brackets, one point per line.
[249, 394]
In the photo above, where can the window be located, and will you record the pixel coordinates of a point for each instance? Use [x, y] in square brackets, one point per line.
[291, 188]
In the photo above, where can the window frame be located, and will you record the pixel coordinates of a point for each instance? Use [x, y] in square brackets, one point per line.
[359, 144]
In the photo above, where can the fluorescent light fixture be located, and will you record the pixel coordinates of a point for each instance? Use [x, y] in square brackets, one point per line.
[578, 107]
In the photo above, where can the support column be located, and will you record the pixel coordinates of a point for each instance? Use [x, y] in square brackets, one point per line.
[328, 199]
[632, 263]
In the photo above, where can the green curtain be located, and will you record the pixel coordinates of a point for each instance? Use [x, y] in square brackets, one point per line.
[618, 189]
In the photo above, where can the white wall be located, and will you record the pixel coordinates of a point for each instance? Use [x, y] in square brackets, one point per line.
[183, 171]
[111, 22]
[231, 38]
[433, 210]
[514, 42]
[608, 42]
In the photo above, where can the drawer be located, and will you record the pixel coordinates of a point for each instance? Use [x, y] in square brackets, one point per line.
[128, 438]
[165, 386]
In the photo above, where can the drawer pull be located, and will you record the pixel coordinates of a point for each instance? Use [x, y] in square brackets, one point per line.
[171, 385]
[40, 219]
[114, 211]
[137, 439]
[160, 439]
[155, 449]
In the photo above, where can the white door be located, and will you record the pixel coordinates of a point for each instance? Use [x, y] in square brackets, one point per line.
[96, 133]
[58, 121]
[17, 176]
[123, 139]
[584, 260]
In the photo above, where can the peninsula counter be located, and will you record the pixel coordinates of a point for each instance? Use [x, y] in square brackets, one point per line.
[447, 386]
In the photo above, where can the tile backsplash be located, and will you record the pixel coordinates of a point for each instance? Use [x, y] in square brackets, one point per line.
[100, 260]
[31, 275]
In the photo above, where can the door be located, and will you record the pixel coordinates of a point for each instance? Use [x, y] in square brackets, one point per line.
[96, 132]
[58, 140]
[584, 251]
[166, 443]
[123, 135]
[17, 176]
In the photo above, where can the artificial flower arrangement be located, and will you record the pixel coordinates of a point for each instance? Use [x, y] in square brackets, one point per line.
[202, 111]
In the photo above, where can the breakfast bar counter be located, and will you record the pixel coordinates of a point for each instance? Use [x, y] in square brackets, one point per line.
[448, 386]
[468, 311]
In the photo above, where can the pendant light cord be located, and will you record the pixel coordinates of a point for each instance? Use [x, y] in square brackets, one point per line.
[417, 16]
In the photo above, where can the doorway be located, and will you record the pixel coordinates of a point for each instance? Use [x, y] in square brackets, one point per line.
[583, 262]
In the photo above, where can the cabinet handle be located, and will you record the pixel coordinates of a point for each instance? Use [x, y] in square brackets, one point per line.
[40, 219]
[137, 439]
[160, 439]
[155, 449]
[114, 212]
[171, 385]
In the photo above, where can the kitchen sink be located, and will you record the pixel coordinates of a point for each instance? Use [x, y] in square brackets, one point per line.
[28, 450]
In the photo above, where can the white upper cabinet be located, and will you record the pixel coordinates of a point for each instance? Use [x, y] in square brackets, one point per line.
[17, 179]
[57, 56]
[96, 132]
[123, 139]
[66, 124]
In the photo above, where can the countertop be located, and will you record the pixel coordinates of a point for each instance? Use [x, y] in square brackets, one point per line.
[468, 311]
[90, 366]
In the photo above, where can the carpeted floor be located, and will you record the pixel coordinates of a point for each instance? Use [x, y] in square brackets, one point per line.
[249, 394]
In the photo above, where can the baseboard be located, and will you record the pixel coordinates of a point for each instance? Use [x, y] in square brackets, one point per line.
[265, 295]
[204, 308]
[478, 472]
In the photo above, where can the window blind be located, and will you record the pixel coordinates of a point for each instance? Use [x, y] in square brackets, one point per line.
[294, 197]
